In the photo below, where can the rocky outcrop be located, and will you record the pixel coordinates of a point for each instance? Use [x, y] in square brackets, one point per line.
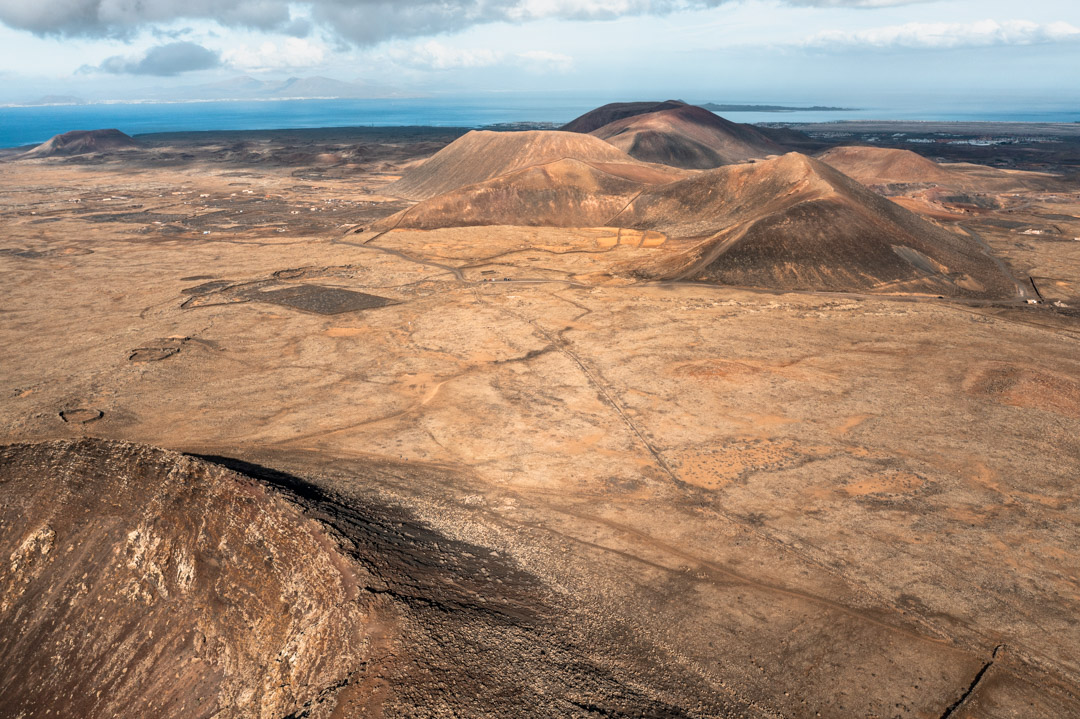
[142, 582]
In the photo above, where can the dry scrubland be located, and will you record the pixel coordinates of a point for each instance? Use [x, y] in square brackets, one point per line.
[534, 470]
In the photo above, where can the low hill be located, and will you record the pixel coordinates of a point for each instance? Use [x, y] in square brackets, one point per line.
[79, 142]
[883, 166]
[793, 222]
[483, 155]
[688, 137]
[875, 165]
[595, 119]
[564, 193]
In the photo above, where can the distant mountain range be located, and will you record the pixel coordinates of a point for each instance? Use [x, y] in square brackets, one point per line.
[58, 100]
[250, 88]
[772, 108]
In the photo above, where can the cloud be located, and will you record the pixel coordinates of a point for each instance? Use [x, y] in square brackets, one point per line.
[298, 27]
[983, 33]
[122, 18]
[542, 61]
[358, 22]
[164, 60]
[367, 22]
[434, 55]
[292, 53]
[162, 33]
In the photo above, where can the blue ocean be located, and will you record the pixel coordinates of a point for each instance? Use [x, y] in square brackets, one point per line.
[29, 125]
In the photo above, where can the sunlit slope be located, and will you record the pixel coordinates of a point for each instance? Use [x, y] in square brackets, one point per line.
[566, 193]
[482, 155]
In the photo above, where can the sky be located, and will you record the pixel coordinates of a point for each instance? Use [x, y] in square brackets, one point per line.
[785, 51]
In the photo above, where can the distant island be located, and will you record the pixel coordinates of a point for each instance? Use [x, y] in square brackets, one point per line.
[772, 108]
[57, 100]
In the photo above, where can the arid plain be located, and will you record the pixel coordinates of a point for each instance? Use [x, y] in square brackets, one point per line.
[663, 494]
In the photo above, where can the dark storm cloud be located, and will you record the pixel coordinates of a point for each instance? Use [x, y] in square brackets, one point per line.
[119, 18]
[361, 22]
[164, 60]
[298, 27]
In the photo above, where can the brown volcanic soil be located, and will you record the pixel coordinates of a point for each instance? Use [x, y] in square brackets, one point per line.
[564, 193]
[482, 155]
[595, 119]
[796, 223]
[79, 142]
[715, 501]
[689, 137]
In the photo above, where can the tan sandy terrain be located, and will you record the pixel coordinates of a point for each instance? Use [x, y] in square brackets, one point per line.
[690, 499]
